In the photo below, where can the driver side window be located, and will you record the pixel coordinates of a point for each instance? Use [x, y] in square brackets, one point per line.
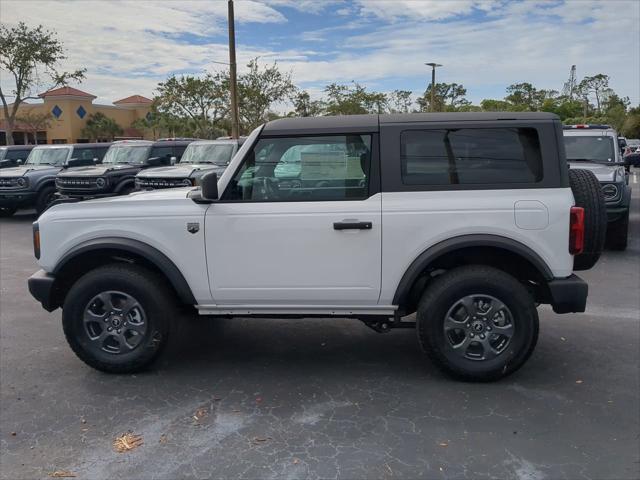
[334, 167]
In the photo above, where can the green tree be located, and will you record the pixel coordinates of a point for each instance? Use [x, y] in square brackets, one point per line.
[353, 100]
[400, 101]
[100, 127]
[447, 97]
[28, 53]
[204, 101]
[305, 107]
[258, 90]
[35, 122]
[595, 85]
[492, 105]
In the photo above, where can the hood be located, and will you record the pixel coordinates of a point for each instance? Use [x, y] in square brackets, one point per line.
[96, 170]
[24, 169]
[604, 173]
[180, 170]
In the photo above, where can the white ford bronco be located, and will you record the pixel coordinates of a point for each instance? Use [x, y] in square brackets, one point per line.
[466, 219]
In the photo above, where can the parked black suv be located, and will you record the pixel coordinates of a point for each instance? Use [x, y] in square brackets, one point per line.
[12, 155]
[116, 174]
[32, 184]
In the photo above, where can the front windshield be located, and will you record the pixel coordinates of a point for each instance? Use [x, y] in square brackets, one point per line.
[590, 148]
[216, 153]
[48, 156]
[126, 154]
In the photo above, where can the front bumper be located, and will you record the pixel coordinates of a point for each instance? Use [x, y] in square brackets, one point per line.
[17, 199]
[41, 286]
[569, 294]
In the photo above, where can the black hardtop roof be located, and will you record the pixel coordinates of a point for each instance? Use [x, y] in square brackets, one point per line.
[98, 144]
[371, 122]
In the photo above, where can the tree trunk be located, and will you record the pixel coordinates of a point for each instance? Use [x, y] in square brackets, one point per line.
[8, 131]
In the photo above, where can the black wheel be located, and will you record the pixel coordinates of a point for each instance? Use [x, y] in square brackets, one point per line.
[477, 323]
[116, 318]
[618, 232]
[127, 190]
[45, 198]
[588, 195]
[7, 211]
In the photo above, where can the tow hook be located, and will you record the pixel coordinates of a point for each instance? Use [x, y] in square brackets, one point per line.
[380, 326]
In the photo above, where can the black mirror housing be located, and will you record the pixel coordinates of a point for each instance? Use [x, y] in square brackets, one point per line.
[209, 186]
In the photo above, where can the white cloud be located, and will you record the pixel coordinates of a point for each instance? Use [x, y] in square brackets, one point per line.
[128, 47]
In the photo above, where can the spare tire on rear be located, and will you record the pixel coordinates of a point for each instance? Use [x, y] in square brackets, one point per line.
[588, 195]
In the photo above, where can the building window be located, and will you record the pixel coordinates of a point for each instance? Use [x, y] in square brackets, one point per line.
[82, 140]
[81, 111]
[57, 111]
[59, 140]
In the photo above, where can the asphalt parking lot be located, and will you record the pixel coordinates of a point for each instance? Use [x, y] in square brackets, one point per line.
[323, 398]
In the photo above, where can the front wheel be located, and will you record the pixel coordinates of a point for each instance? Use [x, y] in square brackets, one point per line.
[477, 323]
[45, 198]
[116, 318]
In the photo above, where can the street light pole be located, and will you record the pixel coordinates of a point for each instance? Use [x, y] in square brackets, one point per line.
[233, 86]
[433, 81]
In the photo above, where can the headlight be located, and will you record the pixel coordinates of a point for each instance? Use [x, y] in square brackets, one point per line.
[21, 182]
[187, 182]
[610, 191]
[100, 182]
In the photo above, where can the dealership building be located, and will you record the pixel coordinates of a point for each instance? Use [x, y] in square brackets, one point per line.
[69, 110]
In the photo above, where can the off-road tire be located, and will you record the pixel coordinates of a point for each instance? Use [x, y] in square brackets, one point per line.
[152, 293]
[618, 232]
[443, 293]
[44, 199]
[588, 195]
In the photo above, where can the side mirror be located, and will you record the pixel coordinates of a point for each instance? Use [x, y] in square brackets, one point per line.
[173, 160]
[209, 186]
[20, 161]
[97, 161]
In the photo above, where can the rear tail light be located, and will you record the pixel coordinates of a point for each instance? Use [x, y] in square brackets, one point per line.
[576, 230]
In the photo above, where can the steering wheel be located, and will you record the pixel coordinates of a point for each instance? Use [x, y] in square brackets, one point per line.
[267, 190]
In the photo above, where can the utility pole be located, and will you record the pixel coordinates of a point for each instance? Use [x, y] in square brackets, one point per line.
[433, 82]
[233, 86]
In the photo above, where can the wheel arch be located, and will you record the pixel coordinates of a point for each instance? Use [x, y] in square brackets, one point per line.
[125, 182]
[504, 253]
[96, 252]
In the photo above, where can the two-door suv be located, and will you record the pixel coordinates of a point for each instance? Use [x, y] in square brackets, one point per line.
[199, 158]
[32, 184]
[467, 219]
[115, 175]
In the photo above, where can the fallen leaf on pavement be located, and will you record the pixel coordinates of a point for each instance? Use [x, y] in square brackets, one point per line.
[578, 381]
[296, 461]
[61, 474]
[443, 444]
[127, 442]
[163, 438]
[261, 439]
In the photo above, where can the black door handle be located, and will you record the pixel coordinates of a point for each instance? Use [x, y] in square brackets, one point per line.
[352, 225]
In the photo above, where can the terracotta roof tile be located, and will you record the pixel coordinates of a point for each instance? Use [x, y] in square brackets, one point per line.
[133, 99]
[66, 91]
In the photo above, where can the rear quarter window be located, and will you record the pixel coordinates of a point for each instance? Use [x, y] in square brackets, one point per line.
[470, 156]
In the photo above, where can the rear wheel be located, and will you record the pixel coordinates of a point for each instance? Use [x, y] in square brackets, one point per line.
[116, 318]
[618, 232]
[588, 195]
[477, 323]
[46, 196]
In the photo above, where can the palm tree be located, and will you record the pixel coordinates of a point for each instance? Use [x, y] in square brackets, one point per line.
[101, 127]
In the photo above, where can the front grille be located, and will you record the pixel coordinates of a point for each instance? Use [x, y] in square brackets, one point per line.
[160, 182]
[77, 183]
[10, 182]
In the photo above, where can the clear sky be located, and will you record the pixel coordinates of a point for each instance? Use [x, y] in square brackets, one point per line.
[129, 46]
